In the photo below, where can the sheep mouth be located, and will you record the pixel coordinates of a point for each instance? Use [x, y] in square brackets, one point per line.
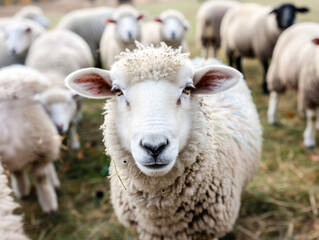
[156, 166]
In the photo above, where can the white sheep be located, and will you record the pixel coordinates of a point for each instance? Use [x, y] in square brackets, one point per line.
[33, 13]
[183, 157]
[170, 27]
[27, 136]
[121, 32]
[252, 30]
[208, 20]
[89, 24]
[56, 54]
[19, 36]
[11, 225]
[294, 65]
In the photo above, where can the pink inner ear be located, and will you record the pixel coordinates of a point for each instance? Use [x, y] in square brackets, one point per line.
[110, 20]
[315, 41]
[94, 83]
[141, 16]
[212, 79]
[28, 30]
[158, 20]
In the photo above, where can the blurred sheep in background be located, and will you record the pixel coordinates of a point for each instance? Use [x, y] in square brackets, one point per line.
[252, 30]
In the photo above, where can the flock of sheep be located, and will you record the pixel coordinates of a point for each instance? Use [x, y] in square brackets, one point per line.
[184, 136]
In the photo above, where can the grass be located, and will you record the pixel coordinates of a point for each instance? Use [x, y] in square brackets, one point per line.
[280, 203]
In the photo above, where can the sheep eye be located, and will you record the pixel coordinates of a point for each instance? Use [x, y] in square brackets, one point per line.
[188, 88]
[117, 91]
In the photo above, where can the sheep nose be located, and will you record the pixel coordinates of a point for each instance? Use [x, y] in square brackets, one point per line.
[60, 128]
[130, 35]
[173, 35]
[13, 52]
[154, 150]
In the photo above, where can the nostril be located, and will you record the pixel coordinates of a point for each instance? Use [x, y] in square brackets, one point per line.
[154, 150]
[13, 51]
[59, 127]
[130, 35]
[173, 35]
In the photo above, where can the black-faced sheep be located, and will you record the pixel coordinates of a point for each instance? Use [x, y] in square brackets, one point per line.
[252, 30]
[295, 65]
[183, 154]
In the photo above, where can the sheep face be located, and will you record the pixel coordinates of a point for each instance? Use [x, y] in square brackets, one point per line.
[154, 114]
[60, 106]
[19, 38]
[173, 29]
[286, 14]
[127, 27]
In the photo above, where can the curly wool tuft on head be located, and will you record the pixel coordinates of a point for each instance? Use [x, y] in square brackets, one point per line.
[155, 64]
[125, 10]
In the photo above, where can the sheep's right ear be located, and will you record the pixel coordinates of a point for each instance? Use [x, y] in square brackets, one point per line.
[315, 41]
[302, 9]
[90, 82]
[157, 19]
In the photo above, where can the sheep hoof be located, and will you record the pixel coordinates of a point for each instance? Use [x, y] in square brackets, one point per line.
[310, 144]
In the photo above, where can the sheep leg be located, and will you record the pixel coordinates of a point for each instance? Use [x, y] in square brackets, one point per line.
[45, 190]
[20, 183]
[273, 107]
[310, 132]
[215, 51]
[74, 137]
[205, 48]
[230, 58]
[317, 122]
[53, 176]
[238, 64]
[265, 85]
[301, 100]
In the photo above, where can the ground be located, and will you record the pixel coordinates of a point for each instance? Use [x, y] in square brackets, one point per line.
[280, 203]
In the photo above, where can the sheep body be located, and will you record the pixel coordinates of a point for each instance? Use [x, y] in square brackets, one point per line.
[112, 42]
[200, 195]
[208, 21]
[89, 24]
[27, 136]
[11, 226]
[71, 52]
[155, 32]
[294, 66]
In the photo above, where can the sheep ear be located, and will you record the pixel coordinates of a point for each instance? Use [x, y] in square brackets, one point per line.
[302, 9]
[157, 19]
[110, 20]
[28, 30]
[275, 10]
[90, 82]
[214, 79]
[315, 41]
[186, 24]
[141, 16]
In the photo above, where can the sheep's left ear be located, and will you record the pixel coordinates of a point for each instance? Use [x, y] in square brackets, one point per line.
[186, 24]
[157, 19]
[141, 16]
[302, 9]
[90, 82]
[315, 41]
[214, 79]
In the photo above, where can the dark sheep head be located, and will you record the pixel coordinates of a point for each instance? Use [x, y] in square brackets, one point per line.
[286, 14]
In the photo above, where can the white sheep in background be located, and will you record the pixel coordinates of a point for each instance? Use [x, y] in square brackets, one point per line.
[89, 24]
[27, 136]
[183, 157]
[33, 13]
[252, 30]
[121, 32]
[11, 225]
[208, 19]
[19, 36]
[56, 54]
[170, 27]
[295, 65]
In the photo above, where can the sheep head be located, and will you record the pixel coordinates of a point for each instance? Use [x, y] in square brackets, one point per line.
[154, 105]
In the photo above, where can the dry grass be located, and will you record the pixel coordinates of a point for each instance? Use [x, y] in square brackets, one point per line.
[281, 203]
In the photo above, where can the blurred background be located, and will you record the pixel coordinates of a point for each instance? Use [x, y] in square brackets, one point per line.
[280, 203]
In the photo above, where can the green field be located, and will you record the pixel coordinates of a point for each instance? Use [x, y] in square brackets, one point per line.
[280, 203]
